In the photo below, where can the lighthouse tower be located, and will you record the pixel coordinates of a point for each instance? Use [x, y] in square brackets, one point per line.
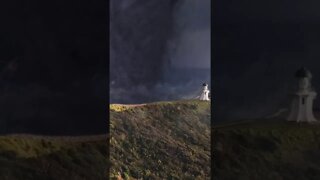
[302, 102]
[205, 93]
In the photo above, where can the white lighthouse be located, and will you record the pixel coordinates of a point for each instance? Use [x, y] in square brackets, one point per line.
[302, 102]
[205, 93]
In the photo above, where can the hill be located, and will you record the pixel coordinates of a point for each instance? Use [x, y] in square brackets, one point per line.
[272, 149]
[31, 157]
[163, 140]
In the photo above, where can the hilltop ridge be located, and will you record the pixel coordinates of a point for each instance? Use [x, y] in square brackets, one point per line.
[161, 140]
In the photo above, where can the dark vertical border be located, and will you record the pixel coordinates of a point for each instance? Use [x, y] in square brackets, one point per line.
[212, 102]
[107, 108]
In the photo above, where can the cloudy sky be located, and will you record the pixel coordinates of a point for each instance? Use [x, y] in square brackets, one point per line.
[53, 67]
[192, 23]
[258, 45]
[157, 48]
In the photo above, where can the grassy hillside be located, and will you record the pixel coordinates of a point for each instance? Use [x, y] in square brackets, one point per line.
[266, 150]
[52, 158]
[164, 140]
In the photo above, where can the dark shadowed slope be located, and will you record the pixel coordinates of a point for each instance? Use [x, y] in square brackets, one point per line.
[266, 150]
[165, 140]
[54, 158]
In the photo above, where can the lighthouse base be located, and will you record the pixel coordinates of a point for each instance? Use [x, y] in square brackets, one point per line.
[301, 108]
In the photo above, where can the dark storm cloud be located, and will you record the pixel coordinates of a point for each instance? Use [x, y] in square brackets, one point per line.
[157, 48]
[193, 15]
[192, 40]
[138, 36]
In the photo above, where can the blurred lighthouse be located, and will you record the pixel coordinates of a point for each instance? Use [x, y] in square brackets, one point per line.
[302, 102]
[205, 93]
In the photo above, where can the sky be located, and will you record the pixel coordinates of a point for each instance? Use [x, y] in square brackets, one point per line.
[53, 58]
[155, 48]
[257, 47]
[53, 67]
[192, 25]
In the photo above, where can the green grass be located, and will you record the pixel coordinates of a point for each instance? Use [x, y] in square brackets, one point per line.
[266, 150]
[163, 140]
[57, 158]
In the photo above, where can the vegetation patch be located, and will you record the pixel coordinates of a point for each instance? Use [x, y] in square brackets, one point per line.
[163, 140]
[267, 150]
[64, 158]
